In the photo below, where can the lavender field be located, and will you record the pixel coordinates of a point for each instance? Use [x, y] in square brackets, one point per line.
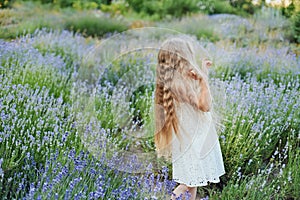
[67, 133]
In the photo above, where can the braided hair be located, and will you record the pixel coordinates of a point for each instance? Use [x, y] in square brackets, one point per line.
[173, 62]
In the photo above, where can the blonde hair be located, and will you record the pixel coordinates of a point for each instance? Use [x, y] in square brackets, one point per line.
[175, 58]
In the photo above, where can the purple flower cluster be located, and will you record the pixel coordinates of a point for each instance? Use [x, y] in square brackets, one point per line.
[78, 175]
[69, 47]
[263, 64]
[19, 55]
[34, 116]
[258, 116]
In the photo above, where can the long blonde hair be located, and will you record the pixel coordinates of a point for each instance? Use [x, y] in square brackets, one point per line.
[175, 58]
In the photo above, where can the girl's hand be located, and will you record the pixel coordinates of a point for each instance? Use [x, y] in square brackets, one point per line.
[192, 74]
[202, 79]
[205, 65]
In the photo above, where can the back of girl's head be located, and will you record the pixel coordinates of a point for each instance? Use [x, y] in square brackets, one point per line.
[176, 48]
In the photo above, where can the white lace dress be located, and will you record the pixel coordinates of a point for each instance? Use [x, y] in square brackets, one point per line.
[197, 160]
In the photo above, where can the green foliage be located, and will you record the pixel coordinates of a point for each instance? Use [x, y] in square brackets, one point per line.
[28, 27]
[293, 33]
[41, 77]
[180, 8]
[296, 26]
[28, 17]
[245, 5]
[288, 11]
[25, 18]
[6, 3]
[198, 26]
[64, 3]
[203, 33]
[157, 8]
[221, 6]
[94, 26]
[165, 7]
[136, 5]
[279, 180]
[115, 8]
[79, 4]
[141, 103]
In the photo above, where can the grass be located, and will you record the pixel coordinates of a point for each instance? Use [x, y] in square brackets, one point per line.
[27, 17]
[89, 25]
[197, 26]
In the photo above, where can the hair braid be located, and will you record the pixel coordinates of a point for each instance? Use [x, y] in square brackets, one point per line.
[166, 116]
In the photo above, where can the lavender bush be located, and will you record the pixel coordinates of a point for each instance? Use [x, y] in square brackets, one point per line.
[62, 136]
[267, 27]
[80, 176]
[38, 129]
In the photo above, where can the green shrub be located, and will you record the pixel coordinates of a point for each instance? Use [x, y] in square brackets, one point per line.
[202, 33]
[94, 26]
[296, 26]
[26, 27]
[165, 7]
[245, 5]
[199, 26]
[85, 5]
[118, 7]
[6, 3]
[288, 11]
[25, 18]
[220, 6]
[136, 5]
[181, 7]
[293, 33]
[82, 4]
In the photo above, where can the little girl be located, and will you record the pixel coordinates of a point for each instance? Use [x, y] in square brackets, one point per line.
[185, 132]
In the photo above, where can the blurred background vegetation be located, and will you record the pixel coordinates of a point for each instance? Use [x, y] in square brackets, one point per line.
[98, 17]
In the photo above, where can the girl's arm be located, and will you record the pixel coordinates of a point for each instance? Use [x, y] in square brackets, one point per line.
[203, 100]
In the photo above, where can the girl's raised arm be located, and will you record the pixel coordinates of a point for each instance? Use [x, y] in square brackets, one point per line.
[203, 100]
